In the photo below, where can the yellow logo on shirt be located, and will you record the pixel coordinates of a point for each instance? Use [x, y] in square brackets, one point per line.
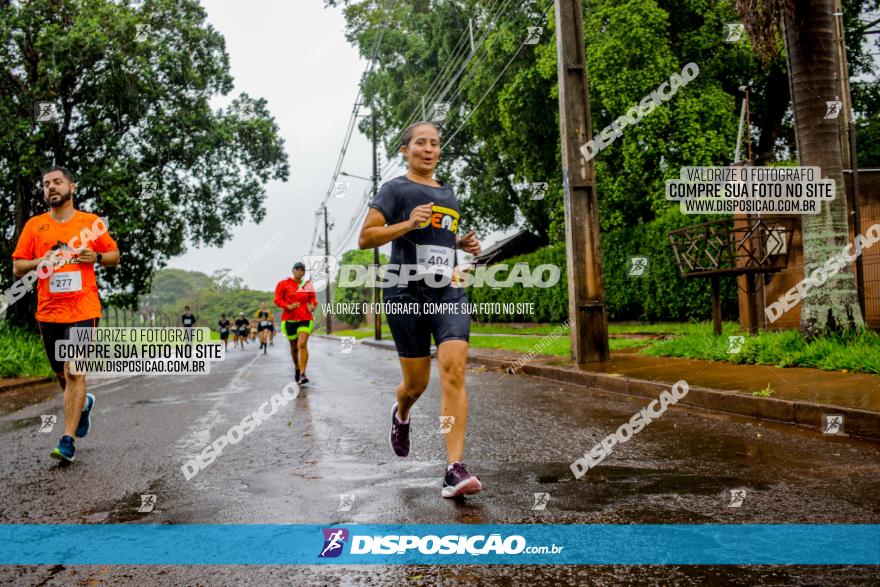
[443, 218]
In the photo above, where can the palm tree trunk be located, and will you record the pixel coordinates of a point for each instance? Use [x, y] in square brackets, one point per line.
[812, 63]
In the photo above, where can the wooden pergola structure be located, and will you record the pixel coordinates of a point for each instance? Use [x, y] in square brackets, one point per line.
[733, 247]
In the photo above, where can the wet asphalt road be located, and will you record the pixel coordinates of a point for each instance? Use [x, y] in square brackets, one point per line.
[522, 434]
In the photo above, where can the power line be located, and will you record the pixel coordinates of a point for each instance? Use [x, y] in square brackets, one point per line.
[348, 133]
[392, 163]
[443, 76]
[414, 116]
[486, 93]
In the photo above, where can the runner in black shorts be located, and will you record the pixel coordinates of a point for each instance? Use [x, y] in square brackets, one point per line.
[264, 322]
[420, 217]
[223, 324]
[242, 327]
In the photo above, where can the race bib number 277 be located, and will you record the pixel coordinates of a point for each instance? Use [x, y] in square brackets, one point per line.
[65, 282]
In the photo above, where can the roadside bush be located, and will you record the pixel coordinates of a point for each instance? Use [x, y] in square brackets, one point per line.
[657, 295]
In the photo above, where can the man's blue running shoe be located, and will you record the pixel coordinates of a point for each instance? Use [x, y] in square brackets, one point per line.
[65, 450]
[84, 421]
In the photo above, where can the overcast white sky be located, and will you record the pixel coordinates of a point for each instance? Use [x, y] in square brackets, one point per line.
[294, 54]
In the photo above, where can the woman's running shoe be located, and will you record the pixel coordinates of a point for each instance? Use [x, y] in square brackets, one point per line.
[458, 481]
[399, 437]
[303, 379]
[65, 450]
[85, 421]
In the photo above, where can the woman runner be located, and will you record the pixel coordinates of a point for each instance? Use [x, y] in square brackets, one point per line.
[420, 217]
[223, 324]
[264, 320]
[242, 326]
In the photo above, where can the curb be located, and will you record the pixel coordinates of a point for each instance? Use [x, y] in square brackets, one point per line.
[25, 383]
[861, 423]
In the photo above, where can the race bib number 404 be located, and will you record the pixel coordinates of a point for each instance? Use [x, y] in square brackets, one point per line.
[65, 282]
[435, 259]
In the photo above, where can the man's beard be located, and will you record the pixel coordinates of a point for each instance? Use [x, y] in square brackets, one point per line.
[58, 203]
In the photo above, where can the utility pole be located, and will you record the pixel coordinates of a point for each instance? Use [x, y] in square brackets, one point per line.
[329, 315]
[377, 294]
[586, 286]
[848, 144]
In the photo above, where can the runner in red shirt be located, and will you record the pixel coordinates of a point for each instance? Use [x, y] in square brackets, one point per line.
[297, 299]
[67, 294]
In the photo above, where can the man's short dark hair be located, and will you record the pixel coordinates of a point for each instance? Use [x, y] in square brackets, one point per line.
[65, 171]
[186, 307]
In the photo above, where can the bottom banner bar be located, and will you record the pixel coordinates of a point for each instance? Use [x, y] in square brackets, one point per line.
[234, 544]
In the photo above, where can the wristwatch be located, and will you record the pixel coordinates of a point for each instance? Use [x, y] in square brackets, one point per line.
[99, 258]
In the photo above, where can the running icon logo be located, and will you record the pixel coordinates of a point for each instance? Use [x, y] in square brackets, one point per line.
[340, 189]
[334, 540]
[47, 423]
[534, 35]
[735, 344]
[346, 343]
[539, 190]
[737, 497]
[148, 188]
[832, 109]
[446, 423]
[734, 32]
[142, 31]
[439, 111]
[320, 269]
[46, 112]
[637, 266]
[541, 500]
[148, 502]
[346, 500]
[832, 423]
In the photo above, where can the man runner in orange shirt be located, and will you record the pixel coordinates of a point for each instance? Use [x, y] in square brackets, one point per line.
[67, 296]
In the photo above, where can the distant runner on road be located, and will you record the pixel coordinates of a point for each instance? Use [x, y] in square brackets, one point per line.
[187, 318]
[242, 329]
[297, 299]
[68, 296]
[223, 325]
[420, 217]
[264, 323]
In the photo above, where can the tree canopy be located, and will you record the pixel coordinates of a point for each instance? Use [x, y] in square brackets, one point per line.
[134, 88]
[502, 131]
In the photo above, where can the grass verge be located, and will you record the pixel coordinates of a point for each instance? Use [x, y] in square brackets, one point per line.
[21, 353]
[858, 353]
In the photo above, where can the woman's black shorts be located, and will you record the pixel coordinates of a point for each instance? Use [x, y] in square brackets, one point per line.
[414, 316]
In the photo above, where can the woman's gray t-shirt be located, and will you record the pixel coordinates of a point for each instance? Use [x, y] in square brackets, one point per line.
[431, 247]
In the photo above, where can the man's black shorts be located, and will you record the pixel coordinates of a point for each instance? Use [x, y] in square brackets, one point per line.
[224, 335]
[412, 331]
[54, 331]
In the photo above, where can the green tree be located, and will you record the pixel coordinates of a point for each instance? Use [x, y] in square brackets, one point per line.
[356, 295]
[133, 88]
[813, 66]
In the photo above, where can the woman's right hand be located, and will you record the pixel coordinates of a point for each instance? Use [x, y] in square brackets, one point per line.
[421, 214]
